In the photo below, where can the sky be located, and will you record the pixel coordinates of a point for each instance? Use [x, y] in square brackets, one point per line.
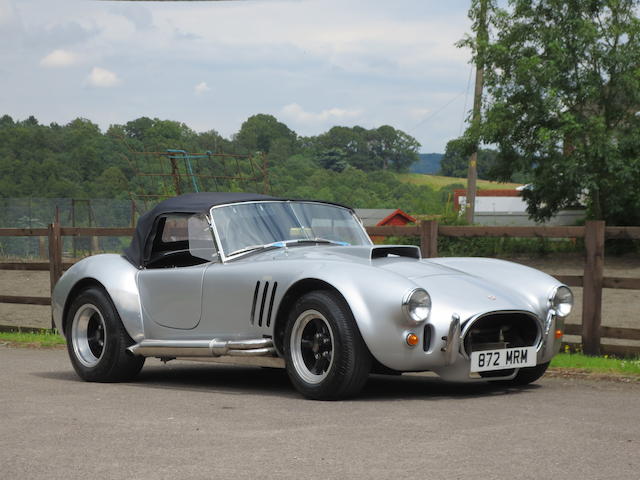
[312, 64]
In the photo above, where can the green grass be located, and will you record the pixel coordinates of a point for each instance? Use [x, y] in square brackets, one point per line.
[437, 182]
[629, 366]
[34, 339]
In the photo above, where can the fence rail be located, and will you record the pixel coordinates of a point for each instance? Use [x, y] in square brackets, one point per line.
[592, 281]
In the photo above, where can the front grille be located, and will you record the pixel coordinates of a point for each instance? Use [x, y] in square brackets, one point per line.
[502, 330]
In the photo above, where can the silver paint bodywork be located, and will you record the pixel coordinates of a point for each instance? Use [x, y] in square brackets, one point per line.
[220, 301]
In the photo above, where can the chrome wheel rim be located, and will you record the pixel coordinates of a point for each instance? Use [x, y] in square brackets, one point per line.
[311, 346]
[88, 335]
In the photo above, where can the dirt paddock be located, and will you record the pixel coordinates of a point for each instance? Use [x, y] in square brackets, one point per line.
[621, 308]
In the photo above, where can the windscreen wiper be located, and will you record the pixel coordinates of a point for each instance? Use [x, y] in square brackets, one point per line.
[285, 243]
[317, 240]
[253, 248]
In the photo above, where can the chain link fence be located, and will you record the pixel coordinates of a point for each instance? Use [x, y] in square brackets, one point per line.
[39, 212]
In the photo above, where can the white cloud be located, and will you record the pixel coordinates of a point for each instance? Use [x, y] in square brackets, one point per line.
[374, 62]
[418, 112]
[201, 88]
[297, 113]
[59, 58]
[100, 77]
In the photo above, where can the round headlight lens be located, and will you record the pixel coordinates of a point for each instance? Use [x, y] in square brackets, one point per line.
[417, 305]
[562, 301]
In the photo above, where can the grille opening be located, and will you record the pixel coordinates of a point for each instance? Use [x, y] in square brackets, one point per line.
[426, 337]
[501, 330]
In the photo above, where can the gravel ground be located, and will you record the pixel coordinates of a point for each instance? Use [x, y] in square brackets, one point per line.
[193, 421]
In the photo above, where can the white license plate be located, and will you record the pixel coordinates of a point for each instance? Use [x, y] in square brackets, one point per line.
[487, 360]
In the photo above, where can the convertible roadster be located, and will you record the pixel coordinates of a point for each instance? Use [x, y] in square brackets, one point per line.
[248, 278]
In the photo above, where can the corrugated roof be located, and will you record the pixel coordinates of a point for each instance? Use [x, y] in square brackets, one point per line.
[372, 216]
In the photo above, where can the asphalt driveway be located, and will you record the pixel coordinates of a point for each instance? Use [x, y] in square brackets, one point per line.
[186, 420]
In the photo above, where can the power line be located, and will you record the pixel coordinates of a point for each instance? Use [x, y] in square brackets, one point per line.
[429, 117]
[466, 98]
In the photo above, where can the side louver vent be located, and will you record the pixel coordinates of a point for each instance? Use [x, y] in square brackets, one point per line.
[260, 294]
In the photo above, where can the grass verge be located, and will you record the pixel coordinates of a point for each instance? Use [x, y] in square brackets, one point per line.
[44, 339]
[606, 365]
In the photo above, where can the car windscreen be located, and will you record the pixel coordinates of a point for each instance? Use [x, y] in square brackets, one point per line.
[245, 225]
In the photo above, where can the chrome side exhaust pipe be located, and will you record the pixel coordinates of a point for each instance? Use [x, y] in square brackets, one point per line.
[204, 348]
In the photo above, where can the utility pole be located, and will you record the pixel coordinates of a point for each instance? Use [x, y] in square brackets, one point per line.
[482, 36]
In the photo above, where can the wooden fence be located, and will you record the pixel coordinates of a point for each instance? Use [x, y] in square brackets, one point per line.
[592, 281]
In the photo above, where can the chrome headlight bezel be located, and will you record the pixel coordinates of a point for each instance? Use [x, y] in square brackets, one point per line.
[561, 301]
[416, 305]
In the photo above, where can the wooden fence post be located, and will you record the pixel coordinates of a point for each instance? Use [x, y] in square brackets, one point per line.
[429, 238]
[55, 256]
[592, 286]
[42, 247]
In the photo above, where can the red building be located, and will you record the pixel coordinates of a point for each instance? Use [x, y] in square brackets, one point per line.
[377, 217]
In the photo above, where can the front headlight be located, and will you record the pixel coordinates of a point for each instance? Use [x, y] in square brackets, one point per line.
[417, 305]
[562, 301]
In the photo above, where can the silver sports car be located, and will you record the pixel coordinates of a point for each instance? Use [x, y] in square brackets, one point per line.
[251, 279]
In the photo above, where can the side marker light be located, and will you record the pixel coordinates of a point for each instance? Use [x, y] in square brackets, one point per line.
[412, 339]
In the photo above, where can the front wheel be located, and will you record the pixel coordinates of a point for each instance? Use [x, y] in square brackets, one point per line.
[325, 354]
[97, 341]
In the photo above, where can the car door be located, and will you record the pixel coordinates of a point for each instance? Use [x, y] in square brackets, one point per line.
[172, 297]
[171, 284]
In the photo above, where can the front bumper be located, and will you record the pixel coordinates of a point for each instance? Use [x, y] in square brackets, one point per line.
[445, 353]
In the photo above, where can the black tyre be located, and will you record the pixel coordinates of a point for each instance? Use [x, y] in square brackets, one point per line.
[526, 375]
[325, 355]
[97, 341]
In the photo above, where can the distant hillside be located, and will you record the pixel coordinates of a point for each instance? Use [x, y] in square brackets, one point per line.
[428, 163]
[437, 182]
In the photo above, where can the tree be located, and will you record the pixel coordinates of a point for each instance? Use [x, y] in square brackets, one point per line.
[332, 159]
[259, 132]
[456, 160]
[563, 84]
[376, 149]
[394, 148]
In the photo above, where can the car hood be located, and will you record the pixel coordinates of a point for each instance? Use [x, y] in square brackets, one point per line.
[403, 260]
[470, 292]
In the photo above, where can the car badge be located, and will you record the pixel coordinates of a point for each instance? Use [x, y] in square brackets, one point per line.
[491, 297]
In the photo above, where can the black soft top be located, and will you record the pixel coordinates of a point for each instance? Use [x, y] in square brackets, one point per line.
[187, 203]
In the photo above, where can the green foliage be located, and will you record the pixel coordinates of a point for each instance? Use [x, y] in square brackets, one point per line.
[563, 91]
[503, 247]
[346, 165]
[381, 148]
[299, 177]
[455, 162]
[265, 133]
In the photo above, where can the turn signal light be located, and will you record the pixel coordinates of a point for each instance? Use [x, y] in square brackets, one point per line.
[412, 339]
[558, 333]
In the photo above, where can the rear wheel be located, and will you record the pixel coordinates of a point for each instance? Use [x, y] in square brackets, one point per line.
[97, 341]
[325, 355]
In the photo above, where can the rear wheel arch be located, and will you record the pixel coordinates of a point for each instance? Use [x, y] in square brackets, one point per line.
[97, 342]
[289, 299]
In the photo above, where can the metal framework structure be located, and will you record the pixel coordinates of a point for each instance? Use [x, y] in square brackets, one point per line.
[159, 175]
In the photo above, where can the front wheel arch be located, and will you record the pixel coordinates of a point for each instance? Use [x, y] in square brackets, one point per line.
[289, 299]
